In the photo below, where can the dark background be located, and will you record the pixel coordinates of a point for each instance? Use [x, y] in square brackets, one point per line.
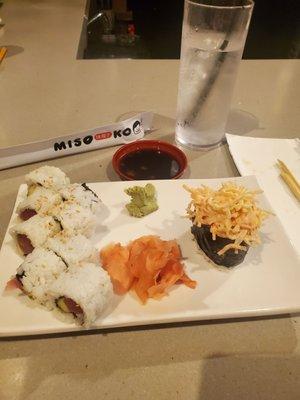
[274, 30]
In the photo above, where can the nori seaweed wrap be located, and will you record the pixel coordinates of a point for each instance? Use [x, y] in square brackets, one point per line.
[211, 247]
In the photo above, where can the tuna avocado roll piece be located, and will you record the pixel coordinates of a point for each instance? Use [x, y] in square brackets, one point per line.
[75, 219]
[226, 222]
[82, 195]
[40, 269]
[83, 292]
[39, 201]
[48, 177]
[72, 249]
[34, 232]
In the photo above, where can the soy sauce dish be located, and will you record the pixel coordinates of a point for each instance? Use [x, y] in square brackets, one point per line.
[149, 159]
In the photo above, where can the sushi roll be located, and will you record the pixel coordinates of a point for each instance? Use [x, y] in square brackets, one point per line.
[82, 195]
[73, 250]
[75, 219]
[48, 177]
[83, 292]
[40, 269]
[40, 201]
[226, 222]
[34, 232]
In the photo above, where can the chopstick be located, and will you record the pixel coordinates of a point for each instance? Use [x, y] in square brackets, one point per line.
[289, 179]
[3, 51]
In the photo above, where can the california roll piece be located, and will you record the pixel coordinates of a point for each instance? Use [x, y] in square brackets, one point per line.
[226, 222]
[83, 292]
[39, 270]
[82, 195]
[72, 249]
[48, 177]
[75, 219]
[34, 232]
[40, 201]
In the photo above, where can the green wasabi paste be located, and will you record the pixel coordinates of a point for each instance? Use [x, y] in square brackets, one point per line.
[143, 200]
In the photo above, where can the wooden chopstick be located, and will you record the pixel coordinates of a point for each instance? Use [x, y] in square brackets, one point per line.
[3, 51]
[289, 179]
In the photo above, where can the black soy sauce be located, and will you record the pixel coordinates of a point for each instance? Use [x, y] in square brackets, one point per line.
[149, 164]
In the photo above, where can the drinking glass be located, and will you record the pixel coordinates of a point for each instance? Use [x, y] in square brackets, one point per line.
[213, 39]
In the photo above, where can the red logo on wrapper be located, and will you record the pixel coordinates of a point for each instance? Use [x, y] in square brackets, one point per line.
[103, 135]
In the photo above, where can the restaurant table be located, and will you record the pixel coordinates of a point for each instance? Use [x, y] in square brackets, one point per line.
[46, 92]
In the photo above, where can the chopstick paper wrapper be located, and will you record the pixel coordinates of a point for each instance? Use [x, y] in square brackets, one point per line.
[121, 132]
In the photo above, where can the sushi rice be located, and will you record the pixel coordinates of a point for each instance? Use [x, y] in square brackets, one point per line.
[37, 229]
[72, 249]
[75, 219]
[40, 200]
[40, 268]
[82, 195]
[89, 287]
[48, 177]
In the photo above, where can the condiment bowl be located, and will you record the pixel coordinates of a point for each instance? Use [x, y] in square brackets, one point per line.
[149, 159]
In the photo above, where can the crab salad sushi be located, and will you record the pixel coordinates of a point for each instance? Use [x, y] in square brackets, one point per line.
[225, 222]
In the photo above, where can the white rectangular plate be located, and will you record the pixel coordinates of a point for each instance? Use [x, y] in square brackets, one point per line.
[266, 283]
[258, 156]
